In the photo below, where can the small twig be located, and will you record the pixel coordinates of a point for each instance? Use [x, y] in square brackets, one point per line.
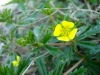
[89, 11]
[34, 59]
[28, 67]
[39, 19]
[97, 40]
[87, 4]
[62, 13]
[40, 56]
[89, 7]
[72, 68]
[58, 44]
[74, 4]
[98, 8]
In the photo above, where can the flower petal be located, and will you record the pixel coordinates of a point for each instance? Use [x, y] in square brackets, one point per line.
[15, 63]
[63, 38]
[18, 59]
[73, 33]
[58, 30]
[67, 24]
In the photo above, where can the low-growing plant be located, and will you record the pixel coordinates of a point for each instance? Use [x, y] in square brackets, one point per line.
[56, 37]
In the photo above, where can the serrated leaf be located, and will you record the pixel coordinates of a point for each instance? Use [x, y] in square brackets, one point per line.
[47, 36]
[35, 50]
[38, 32]
[23, 65]
[80, 71]
[87, 44]
[48, 5]
[60, 67]
[93, 66]
[90, 32]
[5, 70]
[30, 37]
[6, 16]
[41, 66]
[82, 30]
[67, 54]
[53, 50]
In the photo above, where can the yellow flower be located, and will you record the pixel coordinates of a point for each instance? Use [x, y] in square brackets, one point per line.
[65, 31]
[16, 62]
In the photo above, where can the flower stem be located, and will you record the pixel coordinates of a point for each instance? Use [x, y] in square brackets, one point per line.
[58, 44]
[32, 62]
[72, 68]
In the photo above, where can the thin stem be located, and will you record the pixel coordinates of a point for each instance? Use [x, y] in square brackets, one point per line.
[58, 44]
[40, 56]
[97, 40]
[72, 68]
[34, 59]
[39, 19]
[74, 4]
[28, 67]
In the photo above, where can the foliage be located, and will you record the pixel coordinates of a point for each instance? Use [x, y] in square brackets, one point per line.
[29, 30]
[6, 16]
[80, 71]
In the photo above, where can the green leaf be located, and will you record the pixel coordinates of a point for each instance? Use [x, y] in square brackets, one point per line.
[21, 5]
[36, 50]
[67, 54]
[48, 5]
[80, 71]
[47, 37]
[82, 30]
[17, 1]
[67, 16]
[93, 66]
[5, 70]
[30, 37]
[41, 66]
[53, 50]
[87, 44]
[93, 1]
[48, 10]
[60, 67]
[13, 34]
[38, 32]
[23, 65]
[90, 32]
[6, 16]
[51, 72]
[22, 41]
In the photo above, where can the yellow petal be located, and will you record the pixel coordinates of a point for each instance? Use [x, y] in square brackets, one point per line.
[63, 38]
[58, 30]
[15, 63]
[73, 33]
[18, 59]
[67, 24]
